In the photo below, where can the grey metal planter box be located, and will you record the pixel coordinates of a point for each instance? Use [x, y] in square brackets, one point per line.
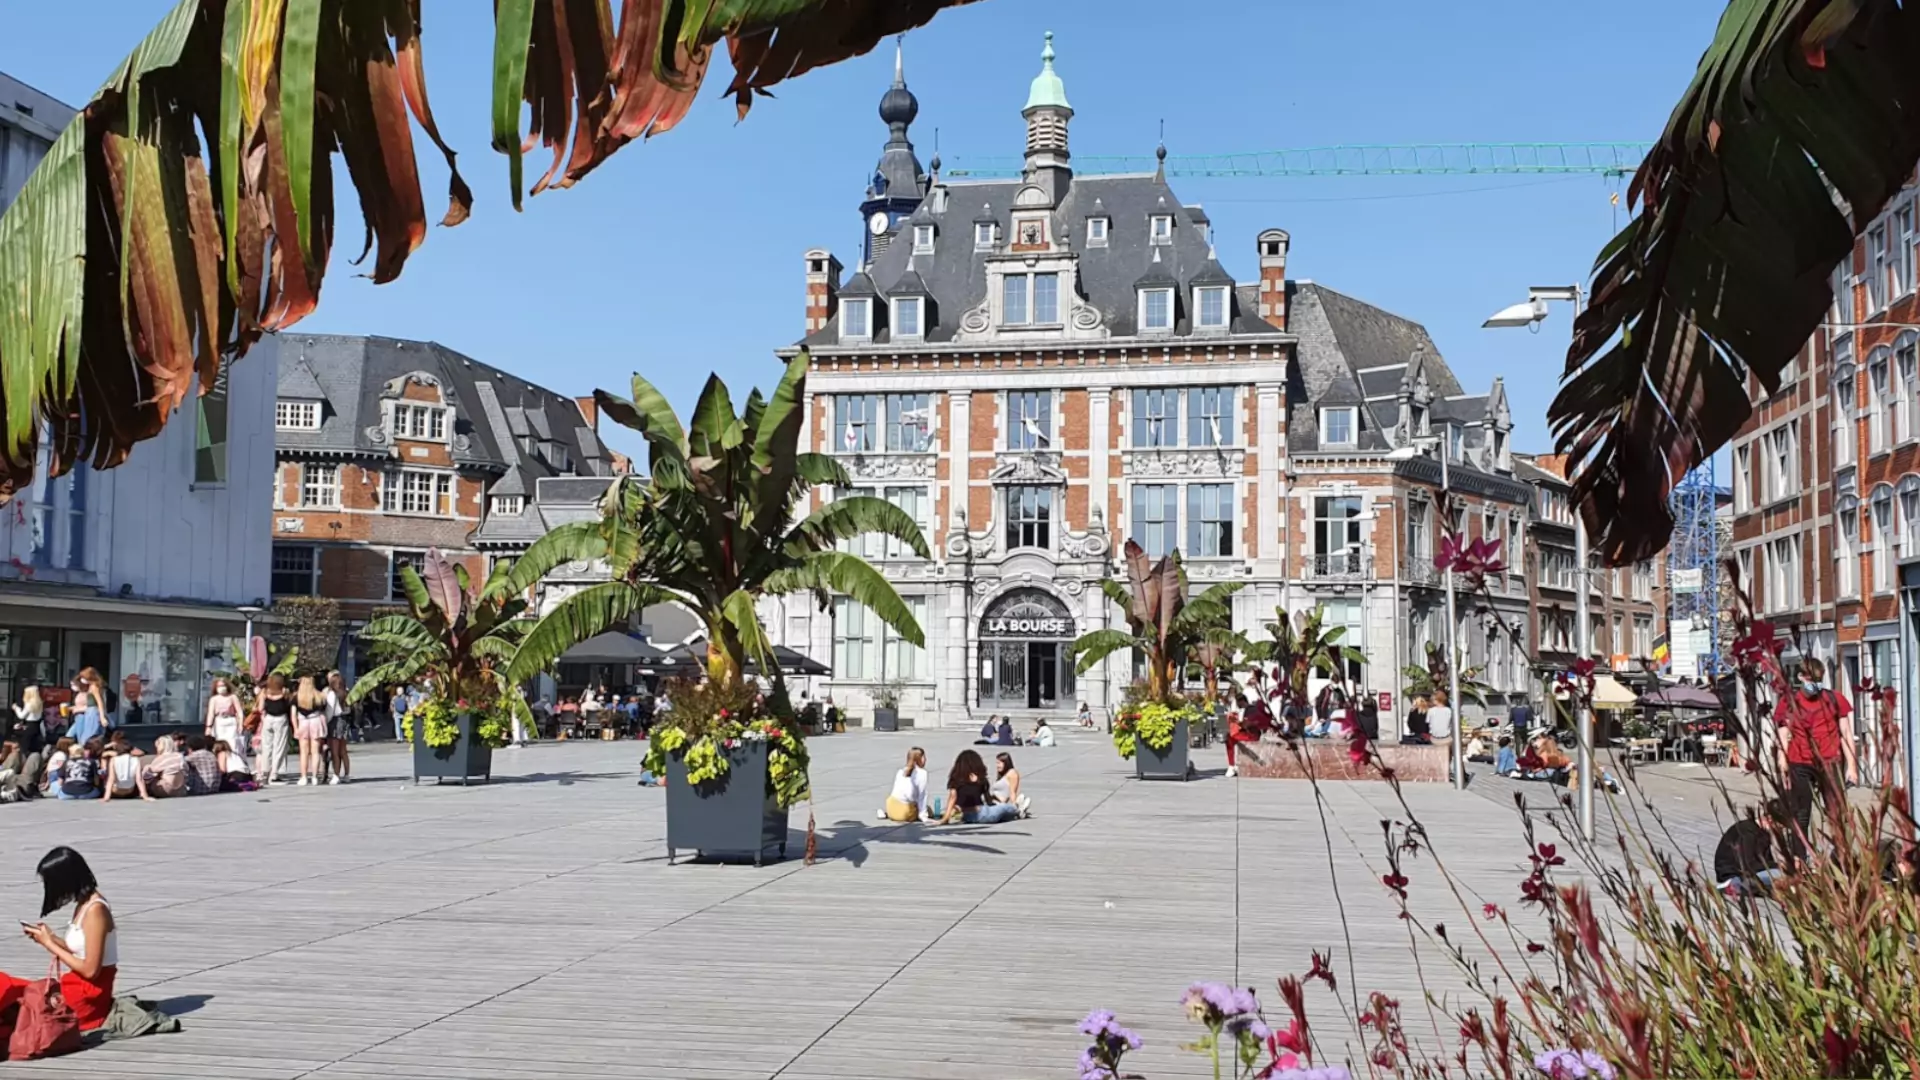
[468, 757]
[886, 719]
[1170, 764]
[734, 817]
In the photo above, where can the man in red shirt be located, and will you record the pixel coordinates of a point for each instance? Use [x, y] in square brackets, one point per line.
[1816, 744]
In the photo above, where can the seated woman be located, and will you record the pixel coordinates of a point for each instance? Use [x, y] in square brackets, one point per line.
[88, 947]
[235, 774]
[19, 773]
[1042, 734]
[79, 776]
[969, 794]
[1006, 784]
[165, 773]
[1505, 763]
[1744, 862]
[908, 799]
[120, 770]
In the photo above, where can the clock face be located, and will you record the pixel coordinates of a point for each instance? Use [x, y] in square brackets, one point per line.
[877, 224]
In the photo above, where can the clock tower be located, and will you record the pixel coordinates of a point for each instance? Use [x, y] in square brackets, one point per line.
[898, 184]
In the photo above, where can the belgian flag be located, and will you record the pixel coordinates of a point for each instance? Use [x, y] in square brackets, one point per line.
[1662, 651]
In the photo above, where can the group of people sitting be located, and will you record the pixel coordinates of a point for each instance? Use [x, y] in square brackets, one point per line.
[975, 796]
[998, 731]
[113, 768]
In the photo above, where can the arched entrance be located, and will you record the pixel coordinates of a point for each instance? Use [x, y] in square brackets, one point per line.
[1025, 662]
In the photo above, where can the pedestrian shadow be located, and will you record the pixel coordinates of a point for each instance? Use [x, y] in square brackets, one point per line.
[182, 1004]
[852, 841]
[562, 779]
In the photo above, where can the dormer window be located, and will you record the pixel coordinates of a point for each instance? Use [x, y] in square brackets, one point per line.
[923, 239]
[856, 319]
[296, 415]
[1456, 442]
[1338, 427]
[907, 313]
[507, 505]
[1097, 232]
[1500, 459]
[983, 236]
[1417, 420]
[421, 422]
[1210, 307]
[1030, 300]
[1156, 310]
[1160, 228]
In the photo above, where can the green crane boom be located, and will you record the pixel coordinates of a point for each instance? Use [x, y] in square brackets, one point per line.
[1413, 159]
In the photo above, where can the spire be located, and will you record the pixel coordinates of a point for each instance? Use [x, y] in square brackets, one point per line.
[1047, 113]
[1047, 90]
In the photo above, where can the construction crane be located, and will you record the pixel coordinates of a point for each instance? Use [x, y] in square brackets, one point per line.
[1615, 159]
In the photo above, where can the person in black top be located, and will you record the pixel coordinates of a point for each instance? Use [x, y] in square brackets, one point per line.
[1521, 718]
[1417, 730]
[970, 794]
[1366, 714]
[1744, 862]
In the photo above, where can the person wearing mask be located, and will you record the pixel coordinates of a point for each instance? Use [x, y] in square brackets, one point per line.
[907, 801]
[276, 727]
[89, 714]
[224, 717]
[1817, 750]
[1440, 725]
[310, 727]
[1006, 785]
[970, 793]
[1417, 730]
[88, 948]
[339, 728]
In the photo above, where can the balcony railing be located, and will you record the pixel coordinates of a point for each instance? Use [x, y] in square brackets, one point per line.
[1419, 570]
[1340, 566]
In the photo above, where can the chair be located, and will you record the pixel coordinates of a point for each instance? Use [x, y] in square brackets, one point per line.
[1674, 749]
[1714, 750]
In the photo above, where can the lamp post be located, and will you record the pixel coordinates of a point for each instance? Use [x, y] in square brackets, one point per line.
[1529, 315]
[1415, 446]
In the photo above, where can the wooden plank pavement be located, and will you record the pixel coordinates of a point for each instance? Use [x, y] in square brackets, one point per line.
[532, 928]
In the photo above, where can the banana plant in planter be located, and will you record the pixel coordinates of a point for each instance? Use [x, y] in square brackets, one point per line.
[455, 639]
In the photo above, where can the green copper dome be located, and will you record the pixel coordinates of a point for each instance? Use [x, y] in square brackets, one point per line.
[1048, 91]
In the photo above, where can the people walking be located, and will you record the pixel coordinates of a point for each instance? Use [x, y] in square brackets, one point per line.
[339, 729]
[29, 721]
[224, 717]
[1818, 751]
[310, 727]
[89, 712]
[276, 728]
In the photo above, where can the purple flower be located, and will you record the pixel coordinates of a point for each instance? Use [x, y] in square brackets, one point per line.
[1212, 1002]
[1248, 1024]
[1097, 1022]
[1574, 1065]
[1092, 1068]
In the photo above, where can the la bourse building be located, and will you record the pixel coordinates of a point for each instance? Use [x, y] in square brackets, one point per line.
[1036, 370]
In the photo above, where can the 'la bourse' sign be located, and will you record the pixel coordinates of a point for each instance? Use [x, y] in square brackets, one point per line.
[1027, 614]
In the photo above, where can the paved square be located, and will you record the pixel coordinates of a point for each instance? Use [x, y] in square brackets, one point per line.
[533, 928]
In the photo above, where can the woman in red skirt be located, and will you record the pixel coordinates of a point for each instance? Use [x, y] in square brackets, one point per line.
[88, 947]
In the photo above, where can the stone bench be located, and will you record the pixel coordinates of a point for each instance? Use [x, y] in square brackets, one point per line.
[1329, 761]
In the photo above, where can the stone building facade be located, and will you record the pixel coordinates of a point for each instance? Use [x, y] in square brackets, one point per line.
[1039, 369]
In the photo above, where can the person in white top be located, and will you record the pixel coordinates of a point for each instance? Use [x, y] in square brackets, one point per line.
[1440, 725]
[89, 949]
[223, 717]
[1042, 734]
[339, 721]
[908, 799]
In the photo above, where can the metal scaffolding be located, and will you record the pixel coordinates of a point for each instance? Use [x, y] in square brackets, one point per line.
[1693, 574]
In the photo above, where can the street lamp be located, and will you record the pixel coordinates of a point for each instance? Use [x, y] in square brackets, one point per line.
[1417, 445]
[1530, 315]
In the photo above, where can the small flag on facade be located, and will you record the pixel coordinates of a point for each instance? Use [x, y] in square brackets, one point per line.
[1662, 651]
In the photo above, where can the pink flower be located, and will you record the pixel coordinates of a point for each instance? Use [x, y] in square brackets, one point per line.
[1473, 560]
[1396, 882]
[1490, 911]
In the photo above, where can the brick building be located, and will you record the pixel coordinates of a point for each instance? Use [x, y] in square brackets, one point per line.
[1826, 478]
[1626, 606]
[1038, 369]
[386, 448]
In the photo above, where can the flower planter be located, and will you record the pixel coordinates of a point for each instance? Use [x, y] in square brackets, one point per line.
[733, 817]
[1168, 764]
[886, 719]
[468, 757]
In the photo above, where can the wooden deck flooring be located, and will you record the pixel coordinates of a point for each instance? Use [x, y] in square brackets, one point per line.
[532, 928]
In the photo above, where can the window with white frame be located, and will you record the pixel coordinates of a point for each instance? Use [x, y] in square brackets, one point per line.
[1783, 573]
[1456, 442]
[917, 504]
[908, 312]
[507, 505]
[1846, 546]
[923, 239]
[1160, 228]
[1883, 534]
[909, 423]
[1156, 518]
[1877, 269]
[1743, 478]
[856, 422]
[1845, 430]
[865, 649]
[296, 415]
[1339, 426]
[1156, 418]
[1781, 462]
[1557, 568]
[856, 318]
[1029, 517]
[1029, 419]
[1643, 580]
[1419, 532]
[1903, 391]
[1210, 307]
[1841, 312]
[419, 422]
[983, 232]
[398, 561]
[319, 485]
[1745, 558]
[1900, 266]
[1210, 521]
[1880, 400]
[1337, 543]
[899, 657]
[1642, 635]
[1030, 299]
[1617, 644]
[294, 570]
[1511, 554]
[416, 492]
[1156, 310]
[1210, 416]
[1908, 494]
[1097, 231]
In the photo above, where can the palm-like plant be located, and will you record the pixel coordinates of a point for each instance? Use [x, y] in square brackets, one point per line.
[1798, 126]
[190, 207]
[1162, 621]
[1303, 646]
[1423, 679]
[713, 530]
[454, 634]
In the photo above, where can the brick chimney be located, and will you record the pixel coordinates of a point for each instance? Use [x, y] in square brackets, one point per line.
[589, 410]
[823, 287]
[1273, 277]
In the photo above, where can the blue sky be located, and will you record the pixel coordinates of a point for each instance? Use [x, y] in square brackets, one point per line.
[683, 256]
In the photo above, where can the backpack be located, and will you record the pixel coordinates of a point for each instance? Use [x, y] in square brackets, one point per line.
[46, 1024]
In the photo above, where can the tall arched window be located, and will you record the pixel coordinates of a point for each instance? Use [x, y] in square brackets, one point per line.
[1909, 508]
[1883, 534]
[1909, 386]
[1880, 395]
[1846, 431]
[1846, 546]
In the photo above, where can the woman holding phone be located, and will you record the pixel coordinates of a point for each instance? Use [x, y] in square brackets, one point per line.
[87, 947]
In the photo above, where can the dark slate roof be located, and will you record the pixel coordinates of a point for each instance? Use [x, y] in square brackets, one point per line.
[956, 277]
[1342, 341]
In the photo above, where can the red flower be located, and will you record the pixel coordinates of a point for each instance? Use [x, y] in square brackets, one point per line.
[1293, 1039]
[1839, 1049]
[1490, 911]
[1548, 855]
[1396, 882]
[1440, 931]
[1359, 749]
[1535, 947]
[1322, 969]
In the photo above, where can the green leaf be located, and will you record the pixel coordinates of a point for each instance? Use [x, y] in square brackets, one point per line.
[401, 632]
[570, 542]
[852, 576]
[593, 610]
[855, 516]
[513, 33]
[1096, 645]
[300, 40]
[774, 438]
[418, 598]
[743, 615]
[714, 429]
